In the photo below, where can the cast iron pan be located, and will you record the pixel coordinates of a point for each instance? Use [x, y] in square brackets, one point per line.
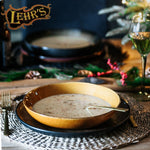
[48, 43]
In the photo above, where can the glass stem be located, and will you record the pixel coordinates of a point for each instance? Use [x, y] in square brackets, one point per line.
[144, 59]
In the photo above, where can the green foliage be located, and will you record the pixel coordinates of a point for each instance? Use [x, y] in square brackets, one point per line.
[12, 75]
[94, 68]
[138, 81]
[133, 73]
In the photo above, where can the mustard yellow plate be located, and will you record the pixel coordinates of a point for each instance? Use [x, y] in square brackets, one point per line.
[40, 93]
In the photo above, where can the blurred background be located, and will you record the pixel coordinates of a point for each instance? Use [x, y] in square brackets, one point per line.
[65, 14]
[80, 14]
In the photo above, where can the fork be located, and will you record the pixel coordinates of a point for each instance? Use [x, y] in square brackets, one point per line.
[6, 106]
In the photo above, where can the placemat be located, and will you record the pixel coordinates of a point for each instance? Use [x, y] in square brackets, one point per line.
[119, 137]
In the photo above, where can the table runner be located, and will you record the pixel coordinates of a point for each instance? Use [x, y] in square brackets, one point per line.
[119, 137]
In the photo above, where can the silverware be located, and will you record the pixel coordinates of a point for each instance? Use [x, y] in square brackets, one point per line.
[6, 106]
[110, 108]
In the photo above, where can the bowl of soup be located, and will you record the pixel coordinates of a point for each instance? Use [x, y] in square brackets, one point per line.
[71, 105]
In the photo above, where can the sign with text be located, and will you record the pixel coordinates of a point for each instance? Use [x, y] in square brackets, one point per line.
[17, 18]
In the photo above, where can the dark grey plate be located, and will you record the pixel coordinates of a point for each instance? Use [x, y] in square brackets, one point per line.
[116, 120]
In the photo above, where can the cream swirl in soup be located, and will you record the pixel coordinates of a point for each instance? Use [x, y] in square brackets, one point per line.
[70, 106]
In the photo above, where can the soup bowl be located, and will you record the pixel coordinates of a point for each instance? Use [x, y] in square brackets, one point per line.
[45, 91]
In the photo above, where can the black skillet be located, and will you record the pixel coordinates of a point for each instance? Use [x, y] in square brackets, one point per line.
[59, 52]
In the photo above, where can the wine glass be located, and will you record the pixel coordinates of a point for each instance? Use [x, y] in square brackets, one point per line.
[139, 34]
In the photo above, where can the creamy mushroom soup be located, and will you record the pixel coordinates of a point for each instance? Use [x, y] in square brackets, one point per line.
[70, 106]
[63, 42]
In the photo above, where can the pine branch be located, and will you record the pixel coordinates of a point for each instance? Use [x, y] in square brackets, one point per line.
[110, 9]
[116, 31]
[123, 22]
[125, 39]
[114, 16]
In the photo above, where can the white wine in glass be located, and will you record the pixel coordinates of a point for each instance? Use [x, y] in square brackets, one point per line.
[139, 34]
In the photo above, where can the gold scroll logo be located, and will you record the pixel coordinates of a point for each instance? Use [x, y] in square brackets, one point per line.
[17, 18]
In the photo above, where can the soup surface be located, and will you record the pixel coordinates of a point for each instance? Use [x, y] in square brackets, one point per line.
[70, 106]
[63, 42]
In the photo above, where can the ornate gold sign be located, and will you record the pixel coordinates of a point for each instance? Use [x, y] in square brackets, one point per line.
[17, 18]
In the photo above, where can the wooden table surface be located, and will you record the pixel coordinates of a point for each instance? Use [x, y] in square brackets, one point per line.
[22, 86]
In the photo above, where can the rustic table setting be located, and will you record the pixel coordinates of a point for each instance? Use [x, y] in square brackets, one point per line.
[140, 110]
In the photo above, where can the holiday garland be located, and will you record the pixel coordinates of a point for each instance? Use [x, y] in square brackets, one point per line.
[129, 78]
